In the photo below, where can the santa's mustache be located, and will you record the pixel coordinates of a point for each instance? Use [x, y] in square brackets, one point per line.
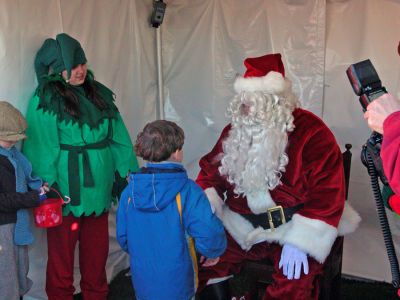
[247, 106]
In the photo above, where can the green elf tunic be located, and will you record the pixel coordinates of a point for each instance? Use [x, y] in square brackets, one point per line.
[78, 155]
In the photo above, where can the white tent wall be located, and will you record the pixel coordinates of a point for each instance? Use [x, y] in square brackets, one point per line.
[120, 47]
[204, 44]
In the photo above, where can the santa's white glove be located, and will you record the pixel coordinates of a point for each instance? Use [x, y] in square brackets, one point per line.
[292, 259]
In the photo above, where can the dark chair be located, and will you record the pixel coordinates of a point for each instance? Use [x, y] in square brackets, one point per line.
[261, 271]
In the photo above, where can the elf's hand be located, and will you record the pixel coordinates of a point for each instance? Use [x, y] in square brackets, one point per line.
[292, 260]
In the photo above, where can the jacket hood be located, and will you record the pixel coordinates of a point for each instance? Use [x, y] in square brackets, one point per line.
[154, 187]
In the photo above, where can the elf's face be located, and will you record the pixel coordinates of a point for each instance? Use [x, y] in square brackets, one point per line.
[78, 75]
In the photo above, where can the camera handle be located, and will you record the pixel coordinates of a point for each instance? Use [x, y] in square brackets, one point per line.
[371, 159]
[373, 148]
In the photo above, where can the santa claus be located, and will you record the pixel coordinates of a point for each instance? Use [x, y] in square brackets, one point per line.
[275, 178]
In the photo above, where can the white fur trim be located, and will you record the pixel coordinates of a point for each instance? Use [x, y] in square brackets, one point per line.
[238, 227]
[244, 233]
[349, 221]
[218, 279]
[315, 237]
[215, 201]
[261, 235]
[259, 201]
[272, 83]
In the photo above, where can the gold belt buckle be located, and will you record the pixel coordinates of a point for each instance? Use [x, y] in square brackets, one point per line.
[272, 210]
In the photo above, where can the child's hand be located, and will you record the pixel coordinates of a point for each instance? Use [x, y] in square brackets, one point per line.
[208, 262]
[45, 187]
[43, 190]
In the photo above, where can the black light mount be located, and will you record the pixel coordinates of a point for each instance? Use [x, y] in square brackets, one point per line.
[157, 16]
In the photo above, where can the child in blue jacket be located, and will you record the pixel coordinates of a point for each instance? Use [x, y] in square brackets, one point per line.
[160, 212]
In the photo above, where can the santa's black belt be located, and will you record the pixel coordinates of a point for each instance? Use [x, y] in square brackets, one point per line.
[273, 218]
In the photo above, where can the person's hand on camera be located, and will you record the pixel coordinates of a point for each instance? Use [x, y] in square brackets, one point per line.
[379, 109]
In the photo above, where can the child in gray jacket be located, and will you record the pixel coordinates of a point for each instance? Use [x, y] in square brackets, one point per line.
[18, 191]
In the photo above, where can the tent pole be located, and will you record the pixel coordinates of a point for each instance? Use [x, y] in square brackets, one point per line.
[160, 79]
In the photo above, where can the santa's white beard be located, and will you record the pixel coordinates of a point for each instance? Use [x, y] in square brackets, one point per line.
[254, 152]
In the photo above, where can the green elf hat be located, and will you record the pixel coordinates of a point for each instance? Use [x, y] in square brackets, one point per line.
[57, 55]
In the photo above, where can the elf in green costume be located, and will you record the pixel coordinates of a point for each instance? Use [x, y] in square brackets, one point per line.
[79, 144]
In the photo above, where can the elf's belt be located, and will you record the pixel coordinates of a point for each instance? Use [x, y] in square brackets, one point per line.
[273, 218]
[73, 165]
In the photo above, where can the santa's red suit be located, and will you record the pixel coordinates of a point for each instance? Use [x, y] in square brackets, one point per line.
[311, 187]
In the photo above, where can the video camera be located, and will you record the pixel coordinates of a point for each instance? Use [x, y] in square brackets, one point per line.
[366, 84]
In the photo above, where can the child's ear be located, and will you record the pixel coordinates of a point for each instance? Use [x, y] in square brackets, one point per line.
[174, 155]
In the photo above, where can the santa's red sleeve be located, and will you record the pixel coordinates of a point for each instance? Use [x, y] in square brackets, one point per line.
[314, 227]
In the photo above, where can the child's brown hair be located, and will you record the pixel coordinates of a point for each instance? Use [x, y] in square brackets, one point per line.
[158, 140]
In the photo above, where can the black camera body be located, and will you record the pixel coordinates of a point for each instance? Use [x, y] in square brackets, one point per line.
[365, 82]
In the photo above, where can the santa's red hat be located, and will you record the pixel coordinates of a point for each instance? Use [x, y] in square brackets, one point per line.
[263, 74]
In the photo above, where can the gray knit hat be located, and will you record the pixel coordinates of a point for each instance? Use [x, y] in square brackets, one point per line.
[12, 123]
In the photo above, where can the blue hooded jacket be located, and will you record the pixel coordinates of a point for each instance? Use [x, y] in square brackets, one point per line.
[150, 229]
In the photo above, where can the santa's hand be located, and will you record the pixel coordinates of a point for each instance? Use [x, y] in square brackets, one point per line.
[292, 260]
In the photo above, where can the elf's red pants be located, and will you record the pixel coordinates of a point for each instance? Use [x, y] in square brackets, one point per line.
[92, 233]
[305, 288]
